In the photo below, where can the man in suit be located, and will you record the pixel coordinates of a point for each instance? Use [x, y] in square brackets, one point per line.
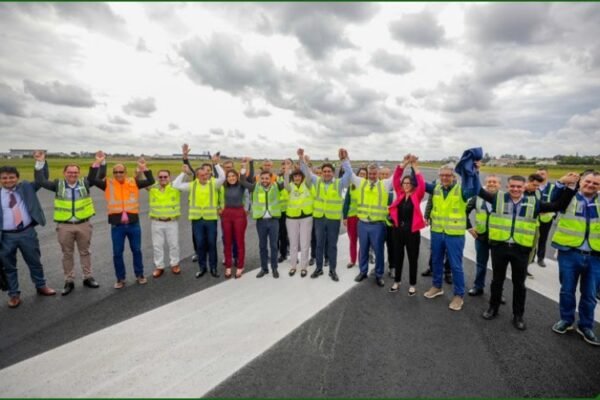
[21, 212]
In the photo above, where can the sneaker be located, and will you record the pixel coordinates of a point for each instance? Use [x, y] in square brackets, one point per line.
[141, 280]
[589, 336]
[562, 327]
[119, 285]
[433, 292]
[456, 304]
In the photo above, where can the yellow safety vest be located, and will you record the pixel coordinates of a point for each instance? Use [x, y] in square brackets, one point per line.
[203, 200]
[328, 202]
[502, 222]
[353, 209]
[263, 201]
[373, 202]
[571, 228]
[481, 216]
[164, 204]
[65, 209]
[301, 200]
[448, 215]
[284, 197]
[547, 217]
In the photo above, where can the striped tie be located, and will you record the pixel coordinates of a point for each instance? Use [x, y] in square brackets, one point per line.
[17, 217]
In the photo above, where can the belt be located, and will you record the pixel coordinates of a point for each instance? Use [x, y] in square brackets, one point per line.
[592, 253]
[81, 221]
[19, 230]
[164, 219]
[371, 222]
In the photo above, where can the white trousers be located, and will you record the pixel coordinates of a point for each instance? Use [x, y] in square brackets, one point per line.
[299, 231]
[165, 231]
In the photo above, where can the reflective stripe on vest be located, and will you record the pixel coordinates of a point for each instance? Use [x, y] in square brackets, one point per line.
[372, 204]
[353, 209]
[571, 228]
[265, 200]
[501, 222]
[301, 200]
[65, 209]
[448, 215]
[164, 204]
[547, 217]
[328, 202]
[284, 197]
[203, 201]
[481, 216]
[122, 196]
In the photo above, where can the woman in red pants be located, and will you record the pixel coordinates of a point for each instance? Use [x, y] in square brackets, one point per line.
[350, 212]
[233, 220]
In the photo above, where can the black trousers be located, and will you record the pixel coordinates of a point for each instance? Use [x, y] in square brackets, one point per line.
[283, 242]
[543, 239]
[389, 246]
[518, 257]
[405, 240]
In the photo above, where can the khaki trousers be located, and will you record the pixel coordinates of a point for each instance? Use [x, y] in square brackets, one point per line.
[68, 235]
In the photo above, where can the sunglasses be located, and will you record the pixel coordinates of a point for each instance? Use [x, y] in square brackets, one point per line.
[163, 177]
[118, 172]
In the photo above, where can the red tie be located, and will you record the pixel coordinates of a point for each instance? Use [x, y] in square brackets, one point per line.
[12, 203]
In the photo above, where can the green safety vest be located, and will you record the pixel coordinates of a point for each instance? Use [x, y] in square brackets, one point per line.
[203, 200]
[328, 202]
[501, 222]
[263, 201]
[481, 216]
[448, 215]
[547, 217]
[372, 204]
[65, 209]
[301, 200]
[571, 228]
[164, 204]
[284, 197]
[353, 209]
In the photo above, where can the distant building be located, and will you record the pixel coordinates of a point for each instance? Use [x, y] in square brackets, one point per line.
[20, 153]
[201, 156]
[502, 162]
[546, 162]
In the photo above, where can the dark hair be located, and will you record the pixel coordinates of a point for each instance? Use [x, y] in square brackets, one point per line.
[518, 178]
[8, 169]
[589, 172]
[207, 165]
[328, 165]
[71, 165]
[297, 172]
[164, 170]
[262, 172]
[237, 175]
[535, 178]
[362, 169]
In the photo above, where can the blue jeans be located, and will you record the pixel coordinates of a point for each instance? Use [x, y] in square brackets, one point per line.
[205, 234]
[27, 242]
[371, 234]
[574, 267]
[133, 232]
[327, 232]
[453, 246]
[482, 247]
[268, 230]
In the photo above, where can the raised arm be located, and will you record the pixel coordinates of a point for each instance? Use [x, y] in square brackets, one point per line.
[309, 177]
[97, 171]
[40, 172]
[560, 204]
[148, 178]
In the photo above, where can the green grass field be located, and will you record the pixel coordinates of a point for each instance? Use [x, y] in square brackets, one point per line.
[554, 172]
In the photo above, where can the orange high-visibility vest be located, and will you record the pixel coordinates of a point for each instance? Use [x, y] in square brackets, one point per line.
[122, 196]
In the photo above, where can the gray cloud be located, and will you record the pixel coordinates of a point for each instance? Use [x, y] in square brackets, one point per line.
[11, 102]
[217, 132]
[462, 94]
[252, 112]
[476, 119]
[112, 129]
[60, 94]
[391, 63]
[118, 120]
[63, 119]
[173, 126]
[141, 46]
[140, 107]
[496, 71]
[350, 66]
[93, 16]
[421, 30]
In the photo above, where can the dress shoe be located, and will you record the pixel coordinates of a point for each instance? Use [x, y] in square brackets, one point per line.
[379, 282]
[350, 265]
[14, 301]
[157, 273]
[360, 277]
[311, 262]
[69, 287]
[519, 323]
[46, 291]
[448, 278]
[427, 272]
[261, 273]
[541, 263]
[91, 283]
[176, 269]
[200, 273]
[316, 273]
[281, 259]
[334, 276]
[214, 273]
[475, 292]
[275, 274]
[490, 313]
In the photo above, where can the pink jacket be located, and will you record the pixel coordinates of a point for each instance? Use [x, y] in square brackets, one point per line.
[418, 222]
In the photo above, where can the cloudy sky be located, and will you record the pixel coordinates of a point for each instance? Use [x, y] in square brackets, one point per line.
[262, 79]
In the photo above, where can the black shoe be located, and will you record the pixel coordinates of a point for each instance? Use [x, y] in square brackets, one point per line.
[391, 273]
[334, 276]
[427, 272]
[541, 263]
[275, 274]
[490, 313]
[519, 323]
[281, 259]
[475, 292]
[316, 273]
[311, 262]
[91, 283]
[261, 273]
[69, 287]
[200, 273]
[379, 282]
[214, 273]
[502, 300]
[448, 279]
[326, 263]
[360, 277]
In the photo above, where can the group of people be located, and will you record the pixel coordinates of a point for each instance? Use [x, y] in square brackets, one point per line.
[301, 208]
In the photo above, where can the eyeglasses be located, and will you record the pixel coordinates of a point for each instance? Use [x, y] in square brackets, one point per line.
[163, 177]
[118, 172]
